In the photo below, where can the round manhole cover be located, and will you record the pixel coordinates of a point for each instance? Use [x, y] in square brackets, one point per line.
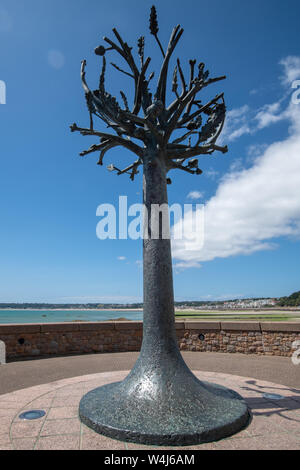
[32, 414]
[273, 396]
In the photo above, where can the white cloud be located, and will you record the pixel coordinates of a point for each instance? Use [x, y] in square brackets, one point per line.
[56, 59]
[186, 263]
[244, 120]
[256, 150]
[195, 195]
[121, 258]
[269, 114]
[254, 206]
[211, 173]
[237, 113]
[291, 65]
[236, 124]
[236, 165]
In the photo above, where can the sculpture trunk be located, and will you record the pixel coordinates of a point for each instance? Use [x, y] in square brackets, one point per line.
[161, 401]
[159, 321]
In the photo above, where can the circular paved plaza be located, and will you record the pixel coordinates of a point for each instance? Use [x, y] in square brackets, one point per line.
[275, 421]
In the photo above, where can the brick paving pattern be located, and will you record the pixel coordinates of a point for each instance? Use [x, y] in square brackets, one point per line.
[275, 423]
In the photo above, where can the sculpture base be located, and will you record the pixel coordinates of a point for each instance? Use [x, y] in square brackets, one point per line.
[193, 414]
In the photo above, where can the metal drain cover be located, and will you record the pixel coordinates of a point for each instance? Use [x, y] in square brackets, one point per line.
[273, 396]
[32, 414]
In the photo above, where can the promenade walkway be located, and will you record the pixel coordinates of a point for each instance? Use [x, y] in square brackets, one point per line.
[22, 374]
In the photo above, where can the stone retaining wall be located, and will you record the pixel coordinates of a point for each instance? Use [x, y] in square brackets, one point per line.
[38, 340]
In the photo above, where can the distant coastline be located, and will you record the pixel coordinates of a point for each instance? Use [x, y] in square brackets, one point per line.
[73, 309]
[177, 309]
[246, 304]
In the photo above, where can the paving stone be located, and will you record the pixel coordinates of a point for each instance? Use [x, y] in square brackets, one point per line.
[65, 442]
[6, 446]
[39, 403]
[60, 426]
[224, 444]
[70, 390]
[274, 442]
[90, 440]
[7, 412]
[5, 421]
[26, 429]
[24, 444]
[263, 425]
[63, 412]
[101, 443]
[66, 401]
[290, 421]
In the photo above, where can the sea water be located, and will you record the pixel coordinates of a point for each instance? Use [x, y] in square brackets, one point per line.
[56, 316]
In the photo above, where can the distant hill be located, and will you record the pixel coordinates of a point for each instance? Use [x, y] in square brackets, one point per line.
[44, 306]
[292, 300]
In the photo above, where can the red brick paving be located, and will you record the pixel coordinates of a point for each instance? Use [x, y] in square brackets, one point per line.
[275, 423]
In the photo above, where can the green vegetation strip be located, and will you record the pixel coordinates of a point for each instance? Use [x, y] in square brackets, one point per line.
[230, 317]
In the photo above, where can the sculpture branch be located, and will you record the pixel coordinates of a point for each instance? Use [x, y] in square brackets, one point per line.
[108, 147]
[202, 109]
[132, 167]
[125, 52]
[141, 47]
[188, 152]
[192, 69]
[139, 87]
[181, 105]
[159, 121]
[184, 137]
[125, 101]
[121, 70]
[105, 105]
[154, 28]
[161, 87]
[181, 77]
[190, 95]
[113, 138]
[191, 168]
[94, 148]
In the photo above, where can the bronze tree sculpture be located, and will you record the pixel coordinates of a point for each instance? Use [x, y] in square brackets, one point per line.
[160, 401]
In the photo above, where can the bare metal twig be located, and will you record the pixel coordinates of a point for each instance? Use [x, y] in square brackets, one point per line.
[114, 138]
[121, 70]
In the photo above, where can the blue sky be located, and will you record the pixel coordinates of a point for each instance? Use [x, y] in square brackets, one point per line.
[49, 195]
